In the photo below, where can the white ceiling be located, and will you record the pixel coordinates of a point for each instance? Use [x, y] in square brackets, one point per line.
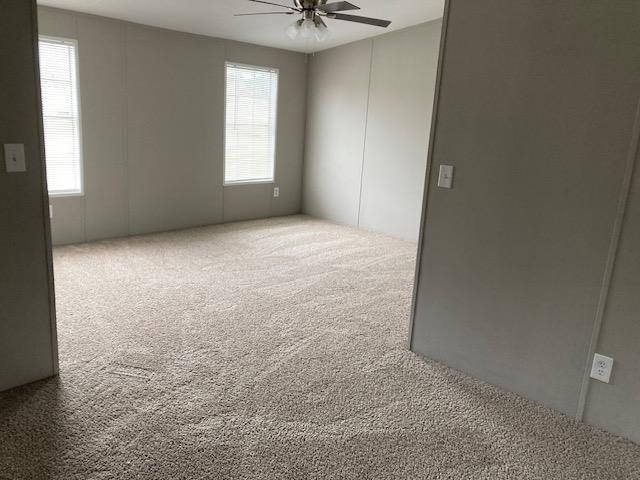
[215, 18]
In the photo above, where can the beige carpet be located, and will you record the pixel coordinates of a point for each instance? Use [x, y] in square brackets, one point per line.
[269, 350]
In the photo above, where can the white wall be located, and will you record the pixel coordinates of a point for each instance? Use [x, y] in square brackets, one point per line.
[536, 112]
[152, 121]
[369, 112]
[28, 347]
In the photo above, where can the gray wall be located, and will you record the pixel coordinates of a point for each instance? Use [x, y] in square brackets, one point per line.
[369, 111]
[28, 348]
[152, 122]
[536, 111]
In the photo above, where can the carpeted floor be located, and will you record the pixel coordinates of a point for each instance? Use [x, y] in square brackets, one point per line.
[272, 349]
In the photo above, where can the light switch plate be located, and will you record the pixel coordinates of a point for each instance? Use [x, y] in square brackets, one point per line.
[14, 157]
[445, 179]
[601, 368]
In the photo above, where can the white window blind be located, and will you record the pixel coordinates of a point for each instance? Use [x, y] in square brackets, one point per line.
[250, 125]
[61, 115]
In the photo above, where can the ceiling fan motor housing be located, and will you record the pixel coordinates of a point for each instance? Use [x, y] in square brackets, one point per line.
[309, 4]
[309, 7]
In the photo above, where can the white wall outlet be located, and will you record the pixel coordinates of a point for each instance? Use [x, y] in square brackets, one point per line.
[601, 368]
[14, 157]
[276, 192]
[445, 179]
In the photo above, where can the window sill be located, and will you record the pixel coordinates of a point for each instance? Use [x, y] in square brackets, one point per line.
[65, 195]
[248, 182]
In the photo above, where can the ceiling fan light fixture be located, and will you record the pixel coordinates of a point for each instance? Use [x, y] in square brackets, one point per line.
[322, 33]
[307, 29]
[304, 28]
[293, 30]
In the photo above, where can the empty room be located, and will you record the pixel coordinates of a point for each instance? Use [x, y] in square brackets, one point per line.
[319, 239]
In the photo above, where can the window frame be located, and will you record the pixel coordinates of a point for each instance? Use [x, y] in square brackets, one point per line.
[272, 181]
[76, 59]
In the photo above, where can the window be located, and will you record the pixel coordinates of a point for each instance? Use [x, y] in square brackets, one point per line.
[250, 124]
[61, 115]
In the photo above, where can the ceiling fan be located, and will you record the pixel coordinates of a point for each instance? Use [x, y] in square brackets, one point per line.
[313, 13]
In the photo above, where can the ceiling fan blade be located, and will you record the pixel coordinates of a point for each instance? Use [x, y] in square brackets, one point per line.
[337, 7]
[275, 4]
[319, 22]
[354, 18]
[263, 13]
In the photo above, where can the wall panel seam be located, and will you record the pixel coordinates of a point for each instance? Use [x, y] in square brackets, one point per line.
[625, 191]
[83, 198]
[366, 127]
[224, 128]
[125, 125]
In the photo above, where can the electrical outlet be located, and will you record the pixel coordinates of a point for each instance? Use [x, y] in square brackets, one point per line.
[276, 192]
[601, 368]
[14, 157]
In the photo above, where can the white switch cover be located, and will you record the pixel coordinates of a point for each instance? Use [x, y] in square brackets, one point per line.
[276, 192]
[601, 368]
[14, 157]
[445, 180]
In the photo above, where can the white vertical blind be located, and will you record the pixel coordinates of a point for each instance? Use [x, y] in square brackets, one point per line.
[61, 115]
[250, 125]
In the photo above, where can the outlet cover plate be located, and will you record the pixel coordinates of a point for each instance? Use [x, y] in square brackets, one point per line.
[14, 157]
[445, 177]
[601, 368]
